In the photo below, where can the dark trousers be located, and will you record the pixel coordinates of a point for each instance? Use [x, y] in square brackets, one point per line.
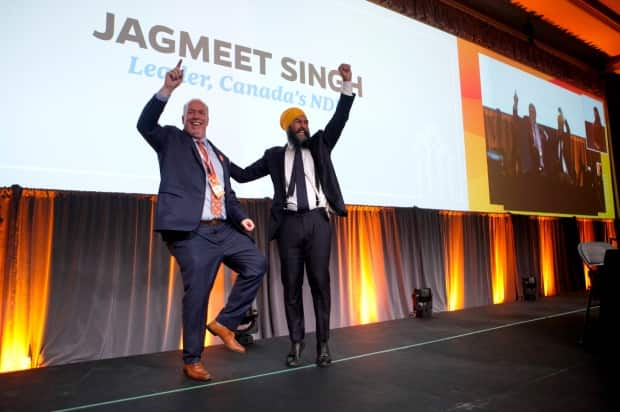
[305, 240]
[199, 254]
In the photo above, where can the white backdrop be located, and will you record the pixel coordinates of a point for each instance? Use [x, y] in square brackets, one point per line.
[71, 99]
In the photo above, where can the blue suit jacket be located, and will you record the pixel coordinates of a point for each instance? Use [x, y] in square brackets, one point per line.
[183, 180]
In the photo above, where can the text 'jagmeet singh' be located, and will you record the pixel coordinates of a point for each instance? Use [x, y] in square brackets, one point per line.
[162, 39]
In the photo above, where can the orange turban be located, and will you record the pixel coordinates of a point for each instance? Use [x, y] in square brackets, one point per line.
[289, 115]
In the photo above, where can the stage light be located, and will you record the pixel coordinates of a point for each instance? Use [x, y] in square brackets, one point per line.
[529, 288]
[422, 302]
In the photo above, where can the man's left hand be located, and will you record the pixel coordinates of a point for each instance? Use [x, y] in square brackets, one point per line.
[345, 71]
[248, 225]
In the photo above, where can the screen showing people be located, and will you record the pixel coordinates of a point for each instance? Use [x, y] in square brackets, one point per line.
[546, 149]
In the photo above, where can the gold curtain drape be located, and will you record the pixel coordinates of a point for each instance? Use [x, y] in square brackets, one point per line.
[454, 259]
[547, 239]
[360, 256]
[25, 263]
[503, 258]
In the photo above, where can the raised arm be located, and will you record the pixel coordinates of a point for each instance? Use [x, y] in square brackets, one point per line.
[515, 105]
[333, 130]
[254, 171]
[148, 123]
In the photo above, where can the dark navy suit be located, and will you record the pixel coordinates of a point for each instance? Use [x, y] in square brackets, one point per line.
[199, 248]
[304, 239]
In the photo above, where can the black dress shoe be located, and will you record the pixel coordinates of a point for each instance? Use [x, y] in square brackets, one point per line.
[293, 359]
[323, 358]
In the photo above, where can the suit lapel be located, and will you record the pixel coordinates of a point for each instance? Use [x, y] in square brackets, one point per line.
[314, 149]
[281, 164]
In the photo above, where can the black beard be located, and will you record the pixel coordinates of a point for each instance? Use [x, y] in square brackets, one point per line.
[294, 140]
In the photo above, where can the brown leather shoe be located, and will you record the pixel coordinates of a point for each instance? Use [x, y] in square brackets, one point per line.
[196, 371]
[227, 336]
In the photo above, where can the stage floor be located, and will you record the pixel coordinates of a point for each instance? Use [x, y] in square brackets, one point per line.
[522, 356]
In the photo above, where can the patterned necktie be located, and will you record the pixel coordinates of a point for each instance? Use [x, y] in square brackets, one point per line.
[214, 182]
[298, 180]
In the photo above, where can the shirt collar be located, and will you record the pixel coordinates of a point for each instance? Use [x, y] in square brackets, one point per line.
[290, 146]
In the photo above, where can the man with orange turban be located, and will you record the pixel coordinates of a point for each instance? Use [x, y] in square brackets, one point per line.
[306, 192]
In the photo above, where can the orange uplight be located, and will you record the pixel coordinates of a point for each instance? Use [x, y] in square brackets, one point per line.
[359, 242]
[503, 259]
[372, 265]
[547, 258]
[370, 262]
[25, 293]
[454, 259]
[499, 274]
[368, 301]
[498, 266]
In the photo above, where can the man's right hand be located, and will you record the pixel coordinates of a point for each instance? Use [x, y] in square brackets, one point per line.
[173, 79]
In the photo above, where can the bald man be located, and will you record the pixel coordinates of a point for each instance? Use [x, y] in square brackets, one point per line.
[202, 223]
[306, 192]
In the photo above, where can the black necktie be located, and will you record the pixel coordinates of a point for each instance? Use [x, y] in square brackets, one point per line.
[298, 180]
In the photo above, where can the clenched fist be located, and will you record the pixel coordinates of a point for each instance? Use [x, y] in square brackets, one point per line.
[248, 225]
[345, 71]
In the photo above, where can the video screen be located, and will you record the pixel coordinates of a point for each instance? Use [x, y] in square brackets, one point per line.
[543, 142]
[434, 123]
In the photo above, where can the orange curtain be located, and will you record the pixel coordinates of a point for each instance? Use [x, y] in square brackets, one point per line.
[454, 259]
[547, 240]
[361, 264]
[25, 291]
[503, 258]
[6, 198]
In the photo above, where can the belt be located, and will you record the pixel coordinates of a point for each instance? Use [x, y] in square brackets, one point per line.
[297, 213]
[212, 222]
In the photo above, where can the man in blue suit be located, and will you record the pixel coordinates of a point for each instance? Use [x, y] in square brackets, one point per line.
[201, 221]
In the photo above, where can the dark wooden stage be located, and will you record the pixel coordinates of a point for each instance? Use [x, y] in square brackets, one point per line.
[523, 356]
